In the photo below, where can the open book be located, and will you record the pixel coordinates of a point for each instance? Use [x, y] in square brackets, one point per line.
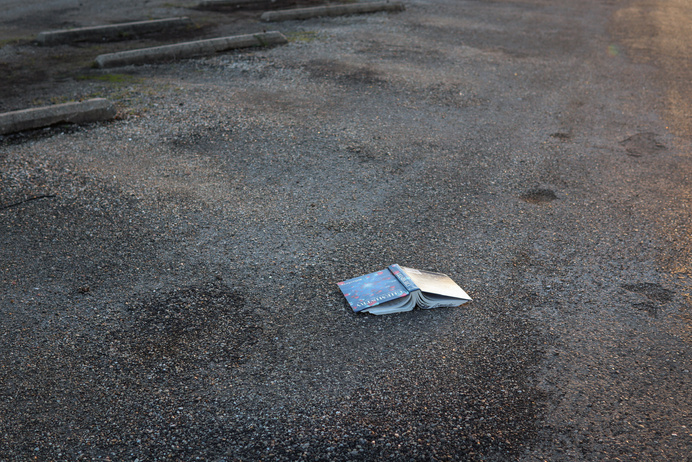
[396, 289]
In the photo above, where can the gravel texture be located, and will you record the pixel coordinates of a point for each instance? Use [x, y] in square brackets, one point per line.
[168, 279]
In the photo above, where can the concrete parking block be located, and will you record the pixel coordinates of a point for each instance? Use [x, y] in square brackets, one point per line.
[91, 110]
[189, 49]
[111, 31]
[331, 10]
[227, 3]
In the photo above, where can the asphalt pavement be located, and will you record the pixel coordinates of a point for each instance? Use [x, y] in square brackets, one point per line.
[168, 278]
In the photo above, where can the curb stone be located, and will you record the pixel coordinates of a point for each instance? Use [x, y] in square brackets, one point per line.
[228, 3]
[331, 10]
[112, 31]
[91, 110]
[189, 49]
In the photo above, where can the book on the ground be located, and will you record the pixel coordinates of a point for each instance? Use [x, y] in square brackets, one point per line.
[396, 289]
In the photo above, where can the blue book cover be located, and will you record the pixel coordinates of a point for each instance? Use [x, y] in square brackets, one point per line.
[373, 289]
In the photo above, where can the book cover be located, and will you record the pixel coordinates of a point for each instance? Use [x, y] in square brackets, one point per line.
[372, 289]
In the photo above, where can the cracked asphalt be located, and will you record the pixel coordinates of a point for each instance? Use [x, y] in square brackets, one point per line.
[168, 279]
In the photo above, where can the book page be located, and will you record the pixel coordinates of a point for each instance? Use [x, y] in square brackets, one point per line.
[436, 283]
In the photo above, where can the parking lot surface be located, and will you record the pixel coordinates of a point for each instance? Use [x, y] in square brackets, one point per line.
[168, 278]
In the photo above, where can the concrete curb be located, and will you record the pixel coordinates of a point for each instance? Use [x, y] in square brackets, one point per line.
[189, 49]
[91, 110]
[331, 10]
[211, 4]
[112, 31]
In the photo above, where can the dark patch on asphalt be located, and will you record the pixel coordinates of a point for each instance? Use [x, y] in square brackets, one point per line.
[651, 290]
[509, 52]
[344, 73]
[455, 97]
[538, 196]
[202, 140]
[561, 136]
[200, 323]
[642, 144]
[651, 309]
[362, 152]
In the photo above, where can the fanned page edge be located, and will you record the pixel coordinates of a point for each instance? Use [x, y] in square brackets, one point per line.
[440, 301]
[408, 303]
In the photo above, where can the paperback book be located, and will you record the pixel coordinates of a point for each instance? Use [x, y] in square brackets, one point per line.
[396, 289]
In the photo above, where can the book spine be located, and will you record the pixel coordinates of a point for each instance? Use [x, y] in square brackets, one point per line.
[403, 277]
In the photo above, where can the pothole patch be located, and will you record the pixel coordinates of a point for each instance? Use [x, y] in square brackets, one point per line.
[345, 73]
[648, 307]
[562, 136]
[642, 144]
[539, 196]
[651, 290]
